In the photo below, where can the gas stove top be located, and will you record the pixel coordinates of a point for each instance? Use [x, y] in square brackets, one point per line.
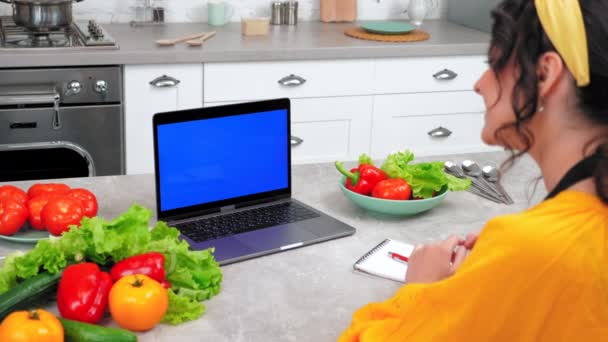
[79, 36]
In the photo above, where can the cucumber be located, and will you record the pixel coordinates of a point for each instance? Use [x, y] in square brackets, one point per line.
[30, 293]
[75, 331]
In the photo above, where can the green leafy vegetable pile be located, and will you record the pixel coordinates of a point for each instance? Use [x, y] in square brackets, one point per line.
[424, 178]
[195, 276]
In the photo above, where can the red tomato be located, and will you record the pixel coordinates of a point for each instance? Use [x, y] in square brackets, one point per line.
[39, 188]
[88, 200]
[393, 189]
[35, 206]
[12, 216]
[14, 193]
[60, 213]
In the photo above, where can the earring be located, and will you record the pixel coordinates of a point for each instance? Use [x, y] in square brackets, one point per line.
[541, 106]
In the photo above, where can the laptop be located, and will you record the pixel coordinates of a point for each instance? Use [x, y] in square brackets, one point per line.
[223, 178]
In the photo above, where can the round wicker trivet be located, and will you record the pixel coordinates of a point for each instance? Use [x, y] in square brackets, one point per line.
[414, 36]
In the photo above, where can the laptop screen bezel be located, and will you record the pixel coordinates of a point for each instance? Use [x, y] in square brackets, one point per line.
[213, 113]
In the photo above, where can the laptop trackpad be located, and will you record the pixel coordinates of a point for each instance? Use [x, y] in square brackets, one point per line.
[226, 248]
[275, 237]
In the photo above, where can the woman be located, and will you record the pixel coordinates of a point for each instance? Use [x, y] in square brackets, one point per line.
[541, 275]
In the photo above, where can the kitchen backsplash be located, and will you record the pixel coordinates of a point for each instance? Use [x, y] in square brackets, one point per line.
[196, 10]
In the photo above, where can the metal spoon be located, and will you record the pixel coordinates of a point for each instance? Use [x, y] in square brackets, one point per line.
[456, 171]
[491, 174]
[471, 169]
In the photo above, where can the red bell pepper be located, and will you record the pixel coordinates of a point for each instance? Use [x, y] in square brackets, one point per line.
[393, 189]
[363, 178]
[151, 264]
[83, 292]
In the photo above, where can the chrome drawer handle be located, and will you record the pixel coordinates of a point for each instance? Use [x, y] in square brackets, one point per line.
[440, 132]
[292, 81]
[296, 141]
[445, 75]
[164, 81]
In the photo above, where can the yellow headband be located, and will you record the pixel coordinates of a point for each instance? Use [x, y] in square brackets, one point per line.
[563, 23]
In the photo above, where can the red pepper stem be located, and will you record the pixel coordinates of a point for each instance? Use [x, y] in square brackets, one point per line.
[354, 177]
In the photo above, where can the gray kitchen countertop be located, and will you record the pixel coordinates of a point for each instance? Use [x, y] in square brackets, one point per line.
[310, 293]
[306, 41]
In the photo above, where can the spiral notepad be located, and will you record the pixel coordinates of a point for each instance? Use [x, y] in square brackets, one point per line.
[378, 263]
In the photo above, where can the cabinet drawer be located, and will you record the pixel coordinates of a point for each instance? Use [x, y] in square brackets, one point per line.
[264, 80]
[328, 129]
[397, 128]
[421, 104]
[412, 75]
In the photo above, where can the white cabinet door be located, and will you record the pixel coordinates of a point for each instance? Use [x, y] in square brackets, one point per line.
[151, 89]
[407, 121]
[328, 129]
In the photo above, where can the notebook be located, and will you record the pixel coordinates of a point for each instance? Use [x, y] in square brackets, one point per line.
[377, 261]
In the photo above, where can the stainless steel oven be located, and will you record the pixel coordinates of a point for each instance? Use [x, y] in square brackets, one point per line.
[61, 122]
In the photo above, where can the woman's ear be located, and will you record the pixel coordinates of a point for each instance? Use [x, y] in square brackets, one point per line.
[550, 70]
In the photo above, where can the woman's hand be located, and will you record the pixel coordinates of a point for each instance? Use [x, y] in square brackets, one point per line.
[470, 241]
[436, 261]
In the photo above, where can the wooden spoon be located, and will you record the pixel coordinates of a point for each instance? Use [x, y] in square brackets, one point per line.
[199, 41]
[171, 42]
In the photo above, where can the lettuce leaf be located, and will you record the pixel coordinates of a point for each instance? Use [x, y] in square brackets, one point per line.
[424, 178]
[195, 276]
[365, 159]
[182, 309]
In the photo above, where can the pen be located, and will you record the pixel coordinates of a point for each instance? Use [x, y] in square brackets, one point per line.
[396, 256]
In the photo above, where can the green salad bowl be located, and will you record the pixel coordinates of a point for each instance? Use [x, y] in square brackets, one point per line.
[393, 207]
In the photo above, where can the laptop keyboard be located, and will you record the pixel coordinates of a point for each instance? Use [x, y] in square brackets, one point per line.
[245, 221]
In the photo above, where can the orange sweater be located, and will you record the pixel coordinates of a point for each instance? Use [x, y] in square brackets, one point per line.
[541, 275]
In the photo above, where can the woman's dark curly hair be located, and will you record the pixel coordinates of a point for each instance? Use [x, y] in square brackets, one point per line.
[517, 35]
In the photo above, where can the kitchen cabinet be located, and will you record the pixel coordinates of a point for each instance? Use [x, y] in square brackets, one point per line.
[305, 79]
[331, 102]
[342, 108]
[427, 74]
[428, 123]
[428, 106]
[151, 89]
[328, 129]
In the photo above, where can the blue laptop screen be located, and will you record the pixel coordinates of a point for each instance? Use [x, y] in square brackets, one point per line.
[209, 160]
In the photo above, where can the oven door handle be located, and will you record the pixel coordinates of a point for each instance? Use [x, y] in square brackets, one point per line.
[28, 95]
[52, 145]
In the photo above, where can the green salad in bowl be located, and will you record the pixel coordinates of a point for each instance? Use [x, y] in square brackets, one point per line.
[399, 186]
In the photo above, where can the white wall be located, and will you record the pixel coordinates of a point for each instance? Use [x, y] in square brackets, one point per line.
[195, 10]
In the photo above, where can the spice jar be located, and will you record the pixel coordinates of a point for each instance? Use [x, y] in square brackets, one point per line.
[338, 10]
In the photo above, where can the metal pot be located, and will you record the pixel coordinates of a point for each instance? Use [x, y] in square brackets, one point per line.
[42, 15]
